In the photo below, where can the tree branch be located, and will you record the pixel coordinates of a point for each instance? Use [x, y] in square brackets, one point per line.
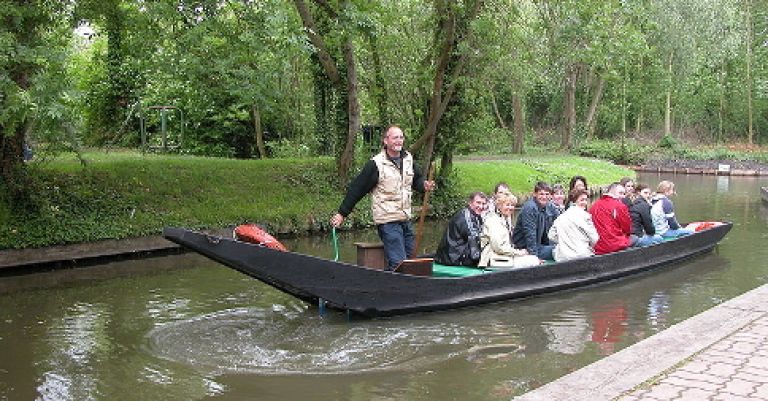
[329, 65]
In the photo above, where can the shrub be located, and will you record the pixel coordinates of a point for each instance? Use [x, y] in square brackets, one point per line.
[617, 152]
[668, 142]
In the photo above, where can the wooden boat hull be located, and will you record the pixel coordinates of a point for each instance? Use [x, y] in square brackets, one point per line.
[373, 292]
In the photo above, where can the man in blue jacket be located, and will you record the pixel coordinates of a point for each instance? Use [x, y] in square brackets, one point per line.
[534, 221]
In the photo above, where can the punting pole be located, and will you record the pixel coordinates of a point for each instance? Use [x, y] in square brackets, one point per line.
[423, 214]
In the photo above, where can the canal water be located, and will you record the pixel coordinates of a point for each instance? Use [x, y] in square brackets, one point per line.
[181, 327]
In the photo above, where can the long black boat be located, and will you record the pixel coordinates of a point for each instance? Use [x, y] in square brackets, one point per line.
[373, 292]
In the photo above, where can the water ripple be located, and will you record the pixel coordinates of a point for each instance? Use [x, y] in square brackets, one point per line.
[282, 341]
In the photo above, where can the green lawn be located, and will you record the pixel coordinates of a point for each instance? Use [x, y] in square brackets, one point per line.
[121, 194]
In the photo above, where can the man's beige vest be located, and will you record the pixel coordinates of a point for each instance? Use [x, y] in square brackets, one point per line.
[391, 198]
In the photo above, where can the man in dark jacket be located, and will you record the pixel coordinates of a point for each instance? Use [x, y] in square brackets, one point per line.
[640, 212]
[534, 221]
[462, 234]
[390, 177]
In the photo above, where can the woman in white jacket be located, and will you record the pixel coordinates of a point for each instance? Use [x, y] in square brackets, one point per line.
[496, 238]
[573, 230]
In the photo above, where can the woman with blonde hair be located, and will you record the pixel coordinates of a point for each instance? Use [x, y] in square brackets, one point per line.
[496, 238]
[663, 212]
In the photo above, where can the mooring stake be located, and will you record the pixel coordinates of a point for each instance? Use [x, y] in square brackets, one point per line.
[321, 306]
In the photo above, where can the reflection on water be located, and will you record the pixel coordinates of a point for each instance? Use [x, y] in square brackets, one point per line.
[567, 332]
[608, 326]
[184, 328]
[75, 342]
[658, 309]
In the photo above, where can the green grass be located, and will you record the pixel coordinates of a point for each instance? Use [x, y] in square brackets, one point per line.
[121, 194]
[522, 173]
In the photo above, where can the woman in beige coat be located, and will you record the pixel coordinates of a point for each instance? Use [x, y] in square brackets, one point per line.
[573, 230]
[496, 238]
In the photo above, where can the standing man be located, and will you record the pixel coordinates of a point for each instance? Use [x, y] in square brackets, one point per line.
[390, 177]
[535, 220]
[612, 221]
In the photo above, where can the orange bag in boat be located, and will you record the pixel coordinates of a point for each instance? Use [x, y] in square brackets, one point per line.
[255, 235]
[703, 225]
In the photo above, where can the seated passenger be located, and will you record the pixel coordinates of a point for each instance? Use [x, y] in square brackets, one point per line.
[663, 212]
[577, 182]
[558, 197]
[611, 218]
[573, 232]
[629, 187]
[500, 188]
[640, 213]
[496, 238]
[534, 222]
[455, 248]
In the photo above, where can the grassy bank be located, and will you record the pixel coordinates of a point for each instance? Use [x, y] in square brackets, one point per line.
[126, 194]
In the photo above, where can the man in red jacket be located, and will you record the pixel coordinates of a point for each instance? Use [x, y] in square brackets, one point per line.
[611, 219]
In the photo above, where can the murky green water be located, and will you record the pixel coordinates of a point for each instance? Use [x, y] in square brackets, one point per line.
[184, 328]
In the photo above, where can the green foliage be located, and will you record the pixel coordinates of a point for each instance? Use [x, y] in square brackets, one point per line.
[617, 152]
[668, 142]
[124, 194]
[286, 148]
[449, 198]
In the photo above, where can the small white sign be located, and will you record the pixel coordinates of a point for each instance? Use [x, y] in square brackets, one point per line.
[723, 168]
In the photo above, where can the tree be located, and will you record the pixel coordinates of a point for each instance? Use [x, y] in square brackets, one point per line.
[25, 26]
[340, 68]
[452, 51]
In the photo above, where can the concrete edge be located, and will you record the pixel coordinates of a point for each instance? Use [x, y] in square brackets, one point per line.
[15, 258]
[700, 171]
[621, 372]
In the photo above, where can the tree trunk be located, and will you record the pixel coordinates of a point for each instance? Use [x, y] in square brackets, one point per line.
[380, 92]
[323, 55]
[750, 133]
[12, 147]
[569, 108]
[446, 164]
[591, 121]
[495, 107]
[427, 140]
[668, 106]
[353, 113]
[519, 124]
[346, 85]
[11, 156]
[449, 68]
[258, 132]
[721, 109]
[624, 104]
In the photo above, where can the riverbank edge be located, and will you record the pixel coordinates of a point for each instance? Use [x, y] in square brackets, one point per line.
[72, 253]
[642, 363]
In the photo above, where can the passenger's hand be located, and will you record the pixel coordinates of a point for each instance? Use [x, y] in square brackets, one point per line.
[430, 185]
[337, 219]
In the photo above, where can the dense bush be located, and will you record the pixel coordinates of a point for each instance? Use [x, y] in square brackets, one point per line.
[617, 152]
